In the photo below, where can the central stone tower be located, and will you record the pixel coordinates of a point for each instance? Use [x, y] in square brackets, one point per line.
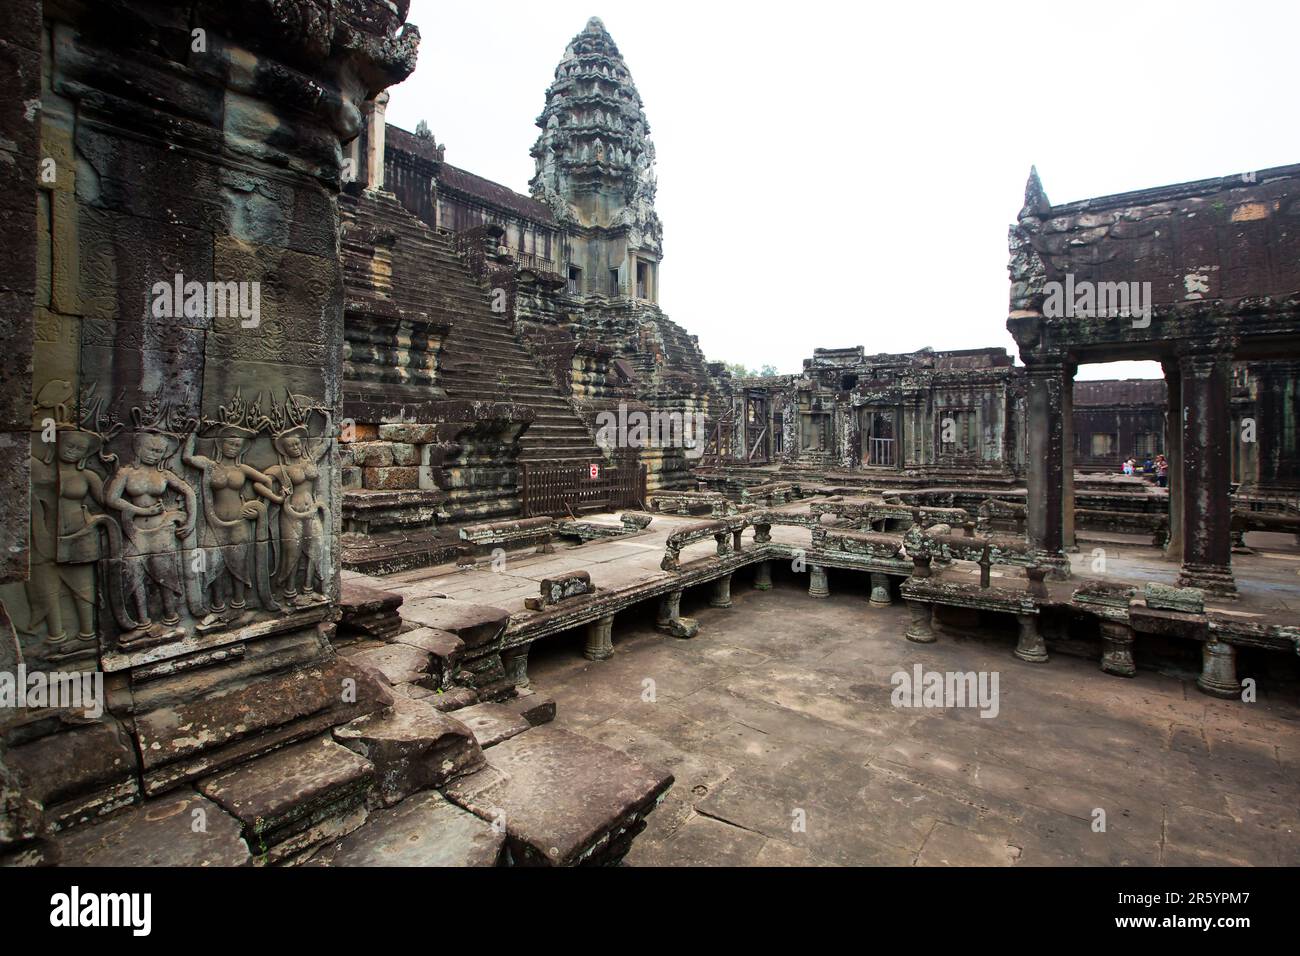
[595, 170]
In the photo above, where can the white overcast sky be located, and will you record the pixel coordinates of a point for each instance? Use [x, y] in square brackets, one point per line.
[836, 174]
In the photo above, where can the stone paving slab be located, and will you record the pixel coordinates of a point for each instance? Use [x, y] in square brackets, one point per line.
[783, 703]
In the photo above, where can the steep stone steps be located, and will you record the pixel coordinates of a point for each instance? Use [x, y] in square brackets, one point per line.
[482, 359]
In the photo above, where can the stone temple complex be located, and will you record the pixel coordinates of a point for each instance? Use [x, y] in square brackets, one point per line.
[376, 513]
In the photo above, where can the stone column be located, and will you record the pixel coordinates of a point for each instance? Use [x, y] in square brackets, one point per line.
[920, 631]
[1117, 648]
[1030, 646]
[721, 592]
[880, 590]
[1047, 383]
[1219, 670]
[1174, 455]
[1207, 508]
[600, 638]
[669, 618]
[376, 123]
[1068, 542]
[763, 576]
[817, 586]
[515, 662]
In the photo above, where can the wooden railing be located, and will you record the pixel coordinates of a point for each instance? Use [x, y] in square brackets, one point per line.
[560, 490]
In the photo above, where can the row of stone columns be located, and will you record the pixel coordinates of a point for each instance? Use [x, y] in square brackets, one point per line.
[819, 587]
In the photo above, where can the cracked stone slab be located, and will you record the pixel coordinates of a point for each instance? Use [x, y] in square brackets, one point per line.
[475, 624]
[423, 830]
[492, 723]
[413, 746]
[565, 800]
[294, 797]
[184, 829]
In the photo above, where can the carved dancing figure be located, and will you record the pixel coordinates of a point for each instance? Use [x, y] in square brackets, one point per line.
[303, 517]
[236, 530]
[153, 525]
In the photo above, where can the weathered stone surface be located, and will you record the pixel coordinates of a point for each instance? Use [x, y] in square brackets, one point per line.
[294, 797]
[413, 746]
[393, 663]
[78, 773]
[534, 708]
[423, 830]
[492, 723]
[475, 624]
[566, 800]
[181, 829]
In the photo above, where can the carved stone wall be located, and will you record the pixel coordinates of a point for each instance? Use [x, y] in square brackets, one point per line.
[185, 485]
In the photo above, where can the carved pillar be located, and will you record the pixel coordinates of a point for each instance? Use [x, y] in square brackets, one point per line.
[1207, 508]
[920, 630]
[600, 638]
[817, 586]
[515, 662]
[721, 592]
[1117, 648]
[1219, 670]
[1174, 456]
[1047, 383]
[375, 127]
[763, 576]
[1030, 646]
[880, 590]
[670, 619]
[1067, 460]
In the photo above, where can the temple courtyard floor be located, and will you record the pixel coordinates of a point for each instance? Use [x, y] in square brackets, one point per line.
[778, 724]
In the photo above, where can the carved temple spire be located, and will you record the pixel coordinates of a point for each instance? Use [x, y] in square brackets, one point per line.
[595, 161]
[1036, 201]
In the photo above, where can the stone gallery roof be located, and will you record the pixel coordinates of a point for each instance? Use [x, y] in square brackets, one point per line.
[493, 194]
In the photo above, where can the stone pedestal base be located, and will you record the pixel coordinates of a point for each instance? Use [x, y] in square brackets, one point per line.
[721, 592]
[1030, 646]
[763, 576]
[880, 590]
[600, 639]
[1219, 671]
[817, 585]
[920, 631]
[515, 662]
[1117, 649]
[1210, 578]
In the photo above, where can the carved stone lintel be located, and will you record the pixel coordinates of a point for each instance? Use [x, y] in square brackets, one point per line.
[817, 586]
[920, 630]
[1030, 646]
[1117, 649]
[1219, 670]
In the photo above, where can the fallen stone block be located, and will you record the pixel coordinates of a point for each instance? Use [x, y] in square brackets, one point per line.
[369, 611]
[565, 800]
[453, 699]
[492, 723]
[534, 708]
[474, 624]
[294, 798]
[394, 663]
[444, 649]
[77, 774]
[423, 830]
[560, 588]
[179, 829]
[413, 746]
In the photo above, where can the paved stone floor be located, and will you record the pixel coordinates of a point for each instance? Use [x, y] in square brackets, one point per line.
[778, 724]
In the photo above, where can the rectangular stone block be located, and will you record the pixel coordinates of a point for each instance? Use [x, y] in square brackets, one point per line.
[389, 479]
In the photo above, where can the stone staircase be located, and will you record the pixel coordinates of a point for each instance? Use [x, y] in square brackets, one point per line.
[482, 359]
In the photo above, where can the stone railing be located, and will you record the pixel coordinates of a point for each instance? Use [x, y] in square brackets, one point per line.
[482, 539]
[726, 532]
[691, 503]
